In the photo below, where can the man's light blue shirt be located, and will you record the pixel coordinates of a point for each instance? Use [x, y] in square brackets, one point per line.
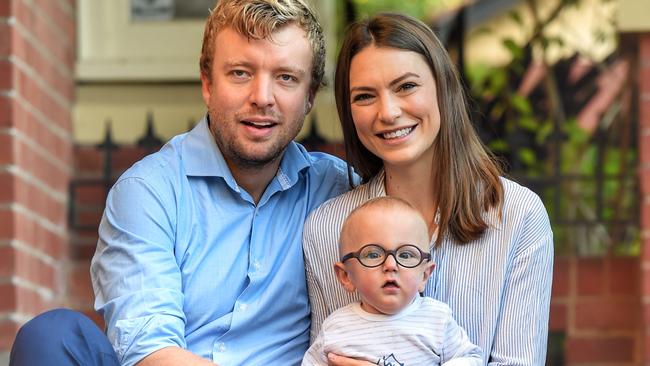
[186, 258]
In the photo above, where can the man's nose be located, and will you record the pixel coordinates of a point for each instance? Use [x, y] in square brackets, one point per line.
[261, 94]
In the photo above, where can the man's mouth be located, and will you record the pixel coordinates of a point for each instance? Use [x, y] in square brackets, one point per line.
[259, 124]
[397, 133]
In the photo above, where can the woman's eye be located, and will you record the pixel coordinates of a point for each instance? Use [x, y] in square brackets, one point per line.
[407, 86]
[361, 98]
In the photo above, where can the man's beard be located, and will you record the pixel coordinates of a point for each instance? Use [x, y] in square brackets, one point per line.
[241, 155]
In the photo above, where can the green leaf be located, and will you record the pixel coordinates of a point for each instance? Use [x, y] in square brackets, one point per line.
[527, 156]
[544, 132]
[515, 50]
[520, 104]
[515, 17]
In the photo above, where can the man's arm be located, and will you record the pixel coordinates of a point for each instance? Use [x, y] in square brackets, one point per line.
[135, 275]
[174, 356]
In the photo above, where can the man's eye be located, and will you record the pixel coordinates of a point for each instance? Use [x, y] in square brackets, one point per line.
[239, 73]
[287, 77]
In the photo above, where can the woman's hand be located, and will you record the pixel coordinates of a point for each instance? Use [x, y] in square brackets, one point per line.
[336, 360]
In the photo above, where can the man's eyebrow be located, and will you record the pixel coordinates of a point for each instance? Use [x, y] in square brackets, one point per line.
[294, 70]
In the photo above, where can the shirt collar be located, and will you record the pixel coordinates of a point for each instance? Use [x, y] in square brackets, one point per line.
[202, 157]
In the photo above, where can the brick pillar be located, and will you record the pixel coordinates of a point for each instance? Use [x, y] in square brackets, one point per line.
[36, 95]
[644, 176]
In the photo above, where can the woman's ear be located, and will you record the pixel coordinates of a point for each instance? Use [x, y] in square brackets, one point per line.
[343, 277]
[426, 274]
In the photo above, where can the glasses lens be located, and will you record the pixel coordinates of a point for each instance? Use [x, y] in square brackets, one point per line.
[372, 255]
[408, 256]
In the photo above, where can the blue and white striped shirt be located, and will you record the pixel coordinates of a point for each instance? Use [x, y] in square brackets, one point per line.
[499, 286]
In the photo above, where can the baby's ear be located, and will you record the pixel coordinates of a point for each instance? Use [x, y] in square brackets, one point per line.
[342, 276]
[426, 274]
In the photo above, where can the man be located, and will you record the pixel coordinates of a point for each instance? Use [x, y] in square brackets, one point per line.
[199, 259]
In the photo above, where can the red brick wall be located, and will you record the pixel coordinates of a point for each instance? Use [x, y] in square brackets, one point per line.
[36, 96]
[644, 174]
[596, 303]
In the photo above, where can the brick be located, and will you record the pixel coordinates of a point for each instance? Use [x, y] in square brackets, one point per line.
[644, 47]
[79, 284]
[645, 215]
[592, 350]
[644, 179]
[590, 276]
[91, 218]
[7, 187]
[8, 227]
[607, 314]
[8, 331]
[7, 297]
[5, 8]
[88, 160]
[6, 111]
[558, 317]
[6, 32]
[6, 75]
[644, 141]
[83, 252]
[644, 79]
[644, 117]
[94, 195]
[645, 309]
[624, 276]
[645, 281]
[561, 272]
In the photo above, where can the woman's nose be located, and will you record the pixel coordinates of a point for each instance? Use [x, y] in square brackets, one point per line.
[390, 109]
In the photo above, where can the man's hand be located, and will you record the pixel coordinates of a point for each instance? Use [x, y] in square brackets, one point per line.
[336, 360]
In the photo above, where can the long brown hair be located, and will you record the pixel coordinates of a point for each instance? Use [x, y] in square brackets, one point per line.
[467, 178]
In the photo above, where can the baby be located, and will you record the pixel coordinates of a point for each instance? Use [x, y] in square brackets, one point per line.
[384, 251]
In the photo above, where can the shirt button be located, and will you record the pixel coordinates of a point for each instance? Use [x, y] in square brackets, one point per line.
[243, 307]
[257, 265]
[221, 348]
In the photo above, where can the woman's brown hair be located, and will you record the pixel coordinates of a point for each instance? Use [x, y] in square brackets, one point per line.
[467, 178]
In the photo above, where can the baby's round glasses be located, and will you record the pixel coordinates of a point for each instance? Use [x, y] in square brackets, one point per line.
[374, 255]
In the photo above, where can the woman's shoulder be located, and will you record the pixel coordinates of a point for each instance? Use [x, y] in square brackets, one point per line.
[523, 209]
[519, 198]
[340, 206]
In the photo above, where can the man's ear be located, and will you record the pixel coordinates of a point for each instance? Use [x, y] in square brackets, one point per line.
[309, 104]
[342, 276]
[426, 274]
[206, 85]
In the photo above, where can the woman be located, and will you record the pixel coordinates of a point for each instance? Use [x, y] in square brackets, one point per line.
[408, 134]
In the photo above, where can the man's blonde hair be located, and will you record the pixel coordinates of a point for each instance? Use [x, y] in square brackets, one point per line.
[259, 19]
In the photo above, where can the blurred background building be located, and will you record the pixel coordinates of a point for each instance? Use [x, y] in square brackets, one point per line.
[560, 92]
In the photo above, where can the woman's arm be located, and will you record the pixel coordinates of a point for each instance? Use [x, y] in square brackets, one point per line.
[522, 331]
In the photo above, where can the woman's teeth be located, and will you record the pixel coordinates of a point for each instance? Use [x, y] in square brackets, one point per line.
[398, 133]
